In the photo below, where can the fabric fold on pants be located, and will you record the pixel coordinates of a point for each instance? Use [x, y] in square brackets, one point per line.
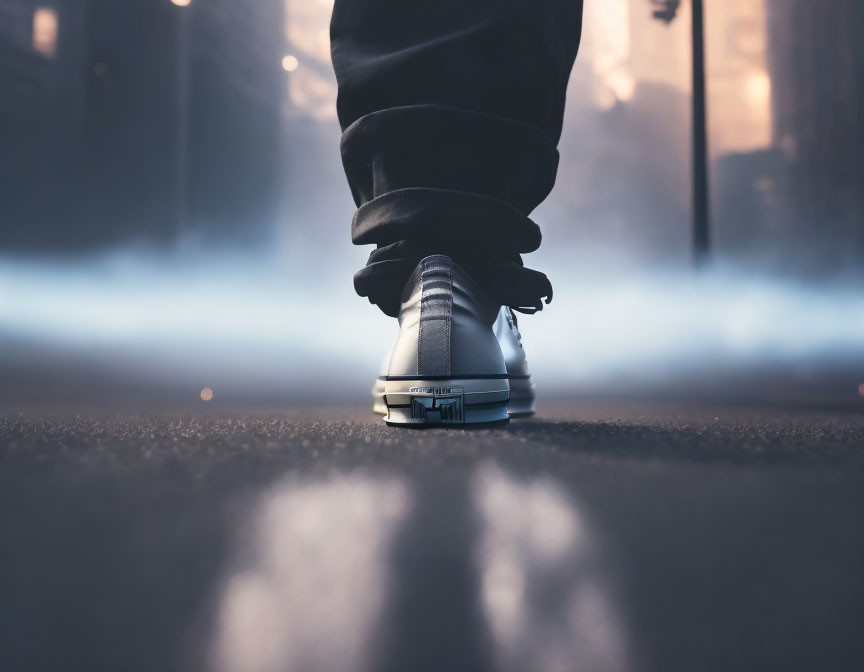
[420, 213]
[444, 147]
[506, 280]
[451, 111]
[429, 179]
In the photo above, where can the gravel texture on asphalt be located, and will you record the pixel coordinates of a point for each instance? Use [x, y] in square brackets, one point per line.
[721, 538]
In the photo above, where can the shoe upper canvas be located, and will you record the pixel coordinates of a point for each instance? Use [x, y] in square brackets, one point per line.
[445, 325]
[506, 330]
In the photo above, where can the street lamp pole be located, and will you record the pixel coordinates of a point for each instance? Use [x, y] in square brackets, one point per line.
[181, 167]
[665, 10]
[701, 217]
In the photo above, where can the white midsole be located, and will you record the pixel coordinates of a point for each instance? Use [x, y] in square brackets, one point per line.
[398, 393]
[473, 390]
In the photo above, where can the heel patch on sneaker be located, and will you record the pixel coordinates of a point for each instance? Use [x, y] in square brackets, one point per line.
[438, 409]
[436, 316]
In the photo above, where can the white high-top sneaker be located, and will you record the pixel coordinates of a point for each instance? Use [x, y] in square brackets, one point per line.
[522, 390]
[447, 366]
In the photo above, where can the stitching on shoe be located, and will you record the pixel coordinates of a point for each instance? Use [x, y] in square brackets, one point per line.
[449, 322]
[420, 321]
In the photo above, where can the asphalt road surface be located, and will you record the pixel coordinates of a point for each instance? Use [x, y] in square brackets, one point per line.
[624, 537]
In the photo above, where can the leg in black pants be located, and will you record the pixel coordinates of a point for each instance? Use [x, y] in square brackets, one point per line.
[451, 111]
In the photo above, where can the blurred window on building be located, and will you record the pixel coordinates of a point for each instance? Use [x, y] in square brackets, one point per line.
[45, 29]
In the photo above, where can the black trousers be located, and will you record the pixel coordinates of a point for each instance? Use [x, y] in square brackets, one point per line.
[451, 111]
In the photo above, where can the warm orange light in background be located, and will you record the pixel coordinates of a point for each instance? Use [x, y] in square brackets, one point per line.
[759, 88]
[861, 389]
[622, 84]
[181, 3]
[625, 47]
[45, 26]
[312, 90]
[608, 30]
[206, 394]
[739, 83]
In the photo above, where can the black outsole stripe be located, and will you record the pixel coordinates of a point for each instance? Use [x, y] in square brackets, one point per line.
[420, 377]
[488, 376]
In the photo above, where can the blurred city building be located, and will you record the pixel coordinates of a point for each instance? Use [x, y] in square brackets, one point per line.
[158, 119]
[798, 203]
[817, 69]
[625, 183]
[42, 94]
[736, 46]
[138, 120]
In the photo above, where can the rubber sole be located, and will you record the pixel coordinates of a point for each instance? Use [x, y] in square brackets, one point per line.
[455, 401]
[393, 399]
[522, 397]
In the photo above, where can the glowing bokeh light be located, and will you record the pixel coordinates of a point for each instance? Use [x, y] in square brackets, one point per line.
[622, 84]
[206, 394]
[181, 3]
[759, 88]
[610, 52]
[290, 63]
[45, 28]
